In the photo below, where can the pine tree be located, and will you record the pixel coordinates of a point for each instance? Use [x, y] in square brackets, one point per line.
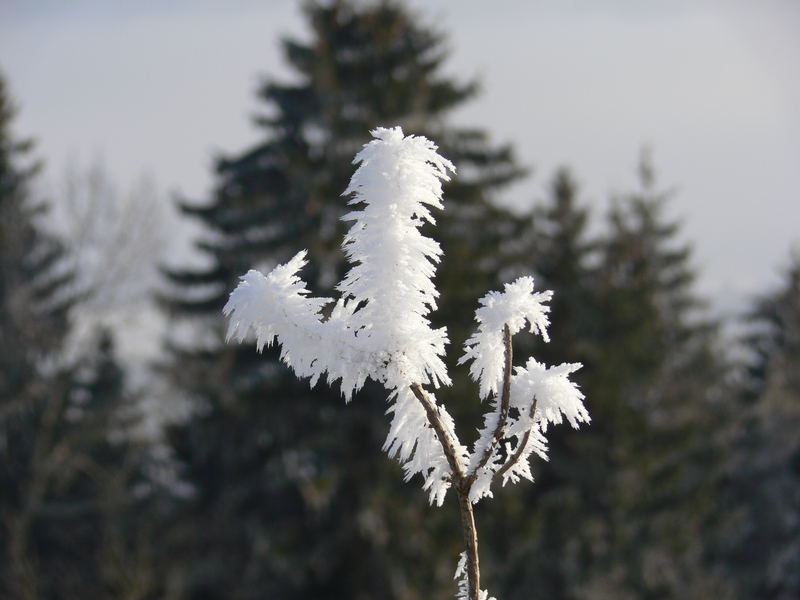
[561, 256]
[656, 375]
[33, 315]
[555, 246]
[291, 511]
[759, 536]
[32, 282]
[619, 511]
[57, 458]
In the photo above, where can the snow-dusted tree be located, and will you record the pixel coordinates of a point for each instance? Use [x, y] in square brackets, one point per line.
[379, 329]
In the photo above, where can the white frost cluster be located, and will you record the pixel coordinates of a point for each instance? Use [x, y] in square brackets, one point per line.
[279, 306]
[515, 306]
[554, 395]
[379, 327]
[551, 390]
[463, 581]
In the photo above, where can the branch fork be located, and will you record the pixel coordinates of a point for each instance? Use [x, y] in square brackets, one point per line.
[379, 329]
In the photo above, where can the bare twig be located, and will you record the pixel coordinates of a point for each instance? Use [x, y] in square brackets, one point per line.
[500, 428]
[470, 533]
[520, 447]
[441, 432]
[461, 484]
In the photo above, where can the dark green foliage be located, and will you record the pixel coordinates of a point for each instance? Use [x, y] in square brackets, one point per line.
[657, 381]
[33, 323]
[620, 510]
[760, 528]
[65, 479]
[296, 499]
[33, 305]
[56, 453]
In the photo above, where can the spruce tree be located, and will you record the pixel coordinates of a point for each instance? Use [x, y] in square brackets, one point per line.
[33, 322]
[656, 374]
[759, 535]
[556, 247]
[288, 509]
[59, 460]
[621, 510]
[32, 278]
[561, 256]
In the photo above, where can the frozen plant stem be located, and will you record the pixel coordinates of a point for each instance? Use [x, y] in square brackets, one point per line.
[461, 482]
[499, 431]
[379, 329]
[520, 450]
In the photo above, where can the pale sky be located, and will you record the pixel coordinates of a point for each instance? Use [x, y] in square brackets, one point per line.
[711, 87]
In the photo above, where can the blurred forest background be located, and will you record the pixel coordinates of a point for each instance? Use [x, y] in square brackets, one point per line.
[213, 473]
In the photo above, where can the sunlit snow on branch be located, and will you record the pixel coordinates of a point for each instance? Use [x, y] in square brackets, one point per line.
[515, 306]
[541, 395]
[379, 329]
[463, 584]
[389, 337]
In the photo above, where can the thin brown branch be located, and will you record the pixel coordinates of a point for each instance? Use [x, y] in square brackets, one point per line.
[461, 485]
[448, 445]
[505, 401]
[520, 448]
[470, 533]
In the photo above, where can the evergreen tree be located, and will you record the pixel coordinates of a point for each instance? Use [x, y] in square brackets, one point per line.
[34, 305]
[621, 510]
[655, 378]
[58, 463]
[33, 322]
[555, 246]
[561, 256]
[293, 500]
[760, 531]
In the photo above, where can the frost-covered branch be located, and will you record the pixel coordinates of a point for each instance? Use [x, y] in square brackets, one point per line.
[542, 395]
[462, 576]
[278, 306]
[522, 445]
[379, 329]
[499, 316]
[501, 415]
[514, 307]
[443, 428]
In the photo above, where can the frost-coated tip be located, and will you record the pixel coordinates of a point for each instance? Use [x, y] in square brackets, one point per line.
[515, 306]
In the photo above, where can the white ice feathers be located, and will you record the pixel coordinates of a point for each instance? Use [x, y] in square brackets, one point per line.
[463, 583]
[538, 395]
[541, 395]
[379, 327]
[393, 263]
[279, 306]
[515, 306]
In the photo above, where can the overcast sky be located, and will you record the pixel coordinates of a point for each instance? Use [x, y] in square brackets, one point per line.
[159, 87]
